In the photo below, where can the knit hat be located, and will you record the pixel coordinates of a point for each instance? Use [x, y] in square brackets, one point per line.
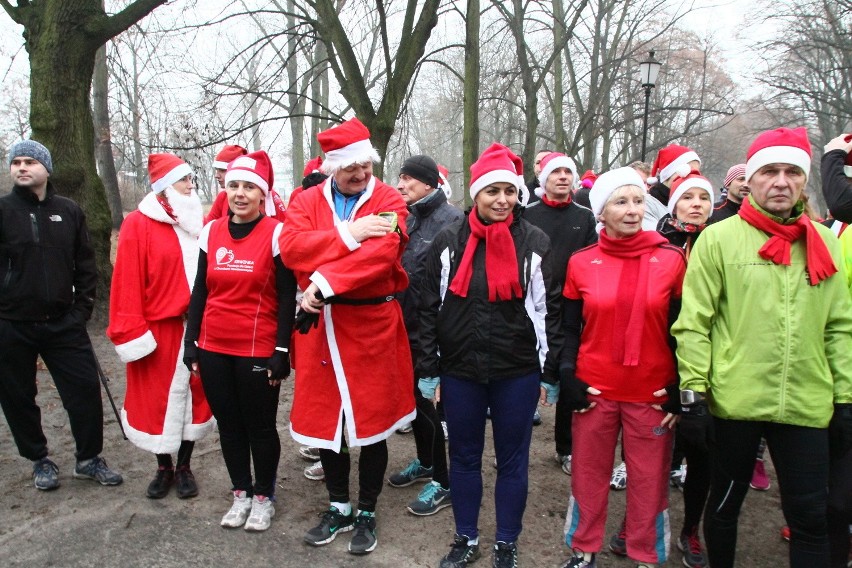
[734, 172]
[672, 159]
[165, 169]
[684, 184]
[256, 168]
[444, 181]
[551, 162]
[608, 182]
[422, 168]
[496, 164]
[227, 154]
[588, 179]
[779, 146]
[31, 149]
[346, 144]
[312, 166]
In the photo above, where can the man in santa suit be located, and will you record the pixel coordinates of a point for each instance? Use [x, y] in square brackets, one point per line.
[275, 207]
[165, 410]
[353, 370]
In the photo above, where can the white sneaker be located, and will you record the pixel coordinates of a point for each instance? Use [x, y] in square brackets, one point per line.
[619, 477]
[315, 472]
[261, 515]
[239, 512]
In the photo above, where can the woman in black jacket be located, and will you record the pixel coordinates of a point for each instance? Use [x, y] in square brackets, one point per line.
[490, 337]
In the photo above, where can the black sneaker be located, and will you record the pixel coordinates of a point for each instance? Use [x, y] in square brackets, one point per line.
[578, 560]
[461, 553]
[97, 470]
[505, 555]
[693, 553]
[413, 472]
[333, 522]
[186, 485]
[617, 543]
[45, 474]
[162, 482]
[364, 539]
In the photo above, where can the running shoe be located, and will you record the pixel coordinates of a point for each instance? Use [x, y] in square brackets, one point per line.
[618, 482]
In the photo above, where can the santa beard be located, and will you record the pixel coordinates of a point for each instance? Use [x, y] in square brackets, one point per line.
[187, 209]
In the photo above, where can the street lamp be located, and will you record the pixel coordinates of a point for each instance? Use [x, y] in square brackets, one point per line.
[648, 72]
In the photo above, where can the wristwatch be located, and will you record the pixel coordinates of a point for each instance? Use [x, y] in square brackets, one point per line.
[690, 397]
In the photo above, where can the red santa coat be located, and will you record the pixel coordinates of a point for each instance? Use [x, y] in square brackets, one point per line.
[357, 363]
[150, 295]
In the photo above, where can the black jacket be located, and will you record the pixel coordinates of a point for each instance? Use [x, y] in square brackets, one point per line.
[47, 264]
[661, 192]
[836, 187]
[723, 210]
[425, 220]
[480, 340]
[569, 229]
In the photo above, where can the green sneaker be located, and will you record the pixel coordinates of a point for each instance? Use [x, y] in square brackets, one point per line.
[413, 472]
[332, 523]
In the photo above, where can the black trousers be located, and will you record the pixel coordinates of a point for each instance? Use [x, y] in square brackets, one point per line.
[246, 409]
[800, 456]
[697, 484]
[66, 349]
[562, 424]
[372, 464]
[839, 507]
[429, 438]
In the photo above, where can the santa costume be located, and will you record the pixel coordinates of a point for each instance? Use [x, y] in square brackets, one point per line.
[275, 206]
[163, 405]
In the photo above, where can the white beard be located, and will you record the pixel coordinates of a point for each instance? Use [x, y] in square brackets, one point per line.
[187, 209]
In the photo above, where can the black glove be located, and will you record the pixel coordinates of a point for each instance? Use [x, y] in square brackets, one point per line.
[190, 355]
[696, 425]
[305, 321]
[573, 390]
[840, 430]
[672, 405]
[278, 366]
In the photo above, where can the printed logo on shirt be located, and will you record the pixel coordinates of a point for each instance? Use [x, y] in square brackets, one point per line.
[56, 218]
[660, 430]
[258, 369]
[653, 259]
[597, 261]
[225, 260]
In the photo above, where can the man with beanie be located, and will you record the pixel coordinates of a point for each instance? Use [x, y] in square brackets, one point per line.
[47, 266]
[570, 228]
[344, 241]
[764, 346]
[737, 190]
[429, 213]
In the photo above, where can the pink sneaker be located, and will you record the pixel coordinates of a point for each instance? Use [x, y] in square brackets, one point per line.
[759, 479]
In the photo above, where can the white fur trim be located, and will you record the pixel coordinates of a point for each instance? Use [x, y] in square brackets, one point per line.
[322, 284]
[359, 152]
[847, 171]
[445, 187]
[220, 165]
[495, 176]
[673, 168]
[174, 175]
[150, 207]
[778, 155]
[239, 174]
[368, 193]
[558, 162]
[137, 348]
[276, 233]
[189, 253]
[608, 182]
[687, 185]
[348, 239]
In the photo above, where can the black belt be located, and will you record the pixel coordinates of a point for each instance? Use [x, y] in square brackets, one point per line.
[359, 301]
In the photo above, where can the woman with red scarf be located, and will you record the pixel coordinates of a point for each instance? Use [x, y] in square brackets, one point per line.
[490, 337]
[619, 293]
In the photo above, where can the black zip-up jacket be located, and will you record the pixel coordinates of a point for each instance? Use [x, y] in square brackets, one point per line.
[723, 210]
[426, 219]
[481, 340]
[47, 264]
[836, 187]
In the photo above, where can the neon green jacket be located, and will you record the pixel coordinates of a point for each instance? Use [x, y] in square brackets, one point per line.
[756, 337]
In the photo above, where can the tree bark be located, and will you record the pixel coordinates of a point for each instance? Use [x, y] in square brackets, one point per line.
[470, 137]
[103, 143]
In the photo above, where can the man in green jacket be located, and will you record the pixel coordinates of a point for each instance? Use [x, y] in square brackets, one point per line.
[764, 347]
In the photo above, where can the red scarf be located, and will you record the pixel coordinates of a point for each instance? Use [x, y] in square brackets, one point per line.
[820, 265]
[632, 291]
[556, 204]
[501, 262]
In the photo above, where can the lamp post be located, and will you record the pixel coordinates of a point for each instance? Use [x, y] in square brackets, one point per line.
[648, 72]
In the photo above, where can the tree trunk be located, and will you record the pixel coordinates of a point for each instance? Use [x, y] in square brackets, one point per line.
[296, 103]
[470, 138]
[103, 142]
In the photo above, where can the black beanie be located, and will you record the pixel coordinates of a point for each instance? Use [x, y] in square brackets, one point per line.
[421, 168]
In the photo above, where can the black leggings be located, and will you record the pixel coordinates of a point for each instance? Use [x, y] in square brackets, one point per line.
[840, 508]
[800, 456]
[697, 484]
[245, 407]
[429, 438]
[372, 464]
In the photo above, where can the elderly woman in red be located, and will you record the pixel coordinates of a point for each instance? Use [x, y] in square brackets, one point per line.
[620, 292]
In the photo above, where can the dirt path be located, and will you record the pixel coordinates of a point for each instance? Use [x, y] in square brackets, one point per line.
[83, 524]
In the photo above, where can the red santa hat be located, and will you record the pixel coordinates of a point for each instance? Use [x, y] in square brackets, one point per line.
[734, 173]
[779, 146]
[551, 162]
[346, 144]
[497, 164]
[227, 154]
[313, 166]
[256, 168]
[165, 169]
[444, 181]
[588, 179]
[608, 182]
[671, 160]
[694, 180]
